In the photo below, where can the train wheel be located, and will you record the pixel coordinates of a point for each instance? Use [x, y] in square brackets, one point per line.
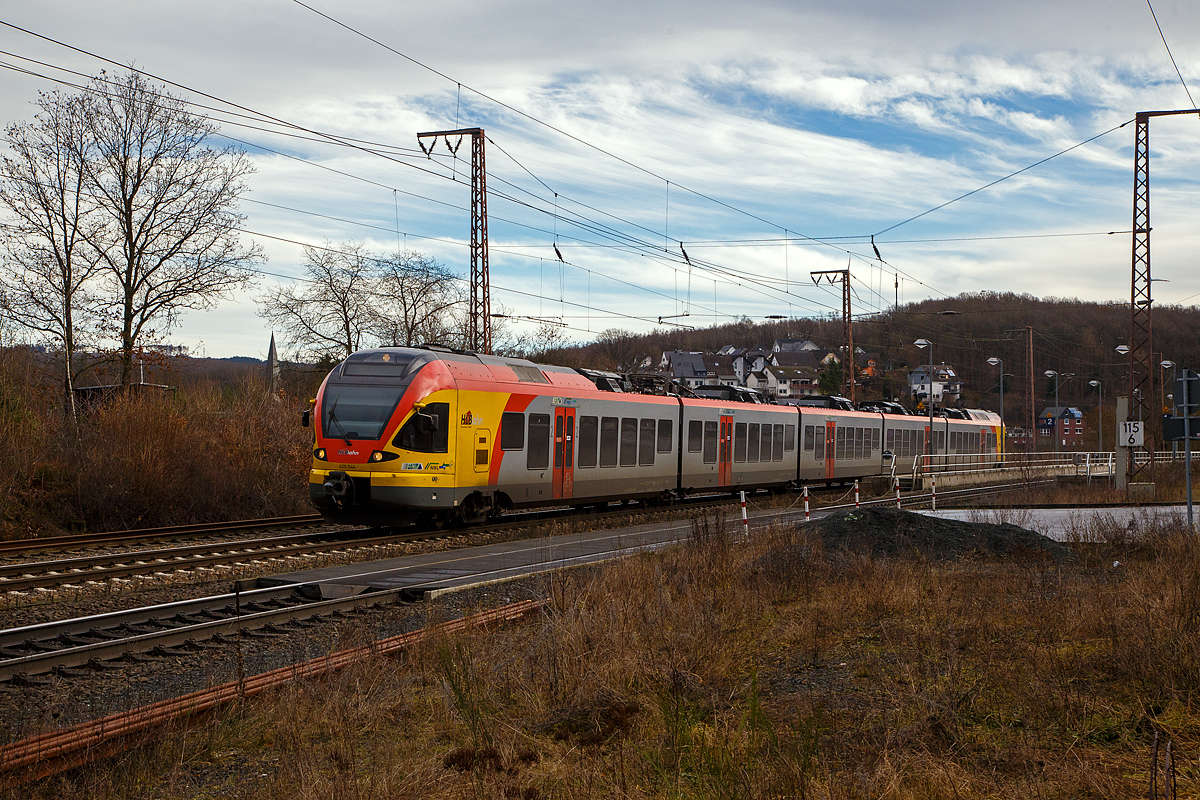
[431, 521]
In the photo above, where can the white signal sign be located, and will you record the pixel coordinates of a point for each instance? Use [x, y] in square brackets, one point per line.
[1131, 433]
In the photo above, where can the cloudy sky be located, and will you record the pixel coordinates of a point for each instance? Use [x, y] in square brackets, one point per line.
[771, 139]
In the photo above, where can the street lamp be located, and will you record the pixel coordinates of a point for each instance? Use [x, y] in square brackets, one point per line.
[923, 343]
[1099, 416]
[1165, 364]
[1058, 412]
[998, 362]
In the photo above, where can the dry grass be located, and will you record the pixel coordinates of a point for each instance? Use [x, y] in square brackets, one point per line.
[211, 453]
[762, 669]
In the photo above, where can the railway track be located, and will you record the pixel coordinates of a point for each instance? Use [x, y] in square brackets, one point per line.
[173, 629]
[188, 626]
[83, 540]
[20, 579]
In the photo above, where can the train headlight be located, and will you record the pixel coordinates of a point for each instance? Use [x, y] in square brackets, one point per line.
[319, 453]
[380, 455]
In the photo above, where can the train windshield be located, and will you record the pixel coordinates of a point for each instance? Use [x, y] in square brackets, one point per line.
[357, 412]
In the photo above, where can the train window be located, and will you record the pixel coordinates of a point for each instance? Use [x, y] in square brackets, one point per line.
[777, 443]
[859, 437]
[512, 430]
[588, 428]
[918, 443]
[558, 441]
[789, 437]
[646, 443]
[891, 440]
[609, 433]
[753, 440]
[875, 437]
[629, 430]
[695, 436]
[427, 431]
[710, 442]
[538, 456]
[739, 442]
[665, 429]
[764, 453]
[809, 438]
[840, 452]
[819, 449]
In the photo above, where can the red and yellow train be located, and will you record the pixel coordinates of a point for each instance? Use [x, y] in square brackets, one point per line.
[435, 435]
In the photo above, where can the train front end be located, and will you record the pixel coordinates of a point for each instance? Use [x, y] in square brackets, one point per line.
[383, 446]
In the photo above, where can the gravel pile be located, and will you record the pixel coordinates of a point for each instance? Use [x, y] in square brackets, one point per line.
[893, 533]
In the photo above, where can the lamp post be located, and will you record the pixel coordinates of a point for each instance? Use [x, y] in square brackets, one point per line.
[1058, 412]
[922, 344]
[998, 362]
[1099, 416]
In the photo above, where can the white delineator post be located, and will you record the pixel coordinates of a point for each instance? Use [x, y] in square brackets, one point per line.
[806, 515]
[933, 494]
[856, 494]
[745, 519]
[897, 492]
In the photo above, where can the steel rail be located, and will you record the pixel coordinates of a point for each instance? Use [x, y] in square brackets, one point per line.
[84, 654]
[110, 537]
[47, 754]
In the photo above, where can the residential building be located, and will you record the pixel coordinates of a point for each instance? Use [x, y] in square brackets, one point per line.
[946, 386]
[1061, 424]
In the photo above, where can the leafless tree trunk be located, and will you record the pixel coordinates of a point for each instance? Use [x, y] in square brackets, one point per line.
[170, 239]
[47, 260]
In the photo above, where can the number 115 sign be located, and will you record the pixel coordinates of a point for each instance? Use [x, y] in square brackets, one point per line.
[1132, 433]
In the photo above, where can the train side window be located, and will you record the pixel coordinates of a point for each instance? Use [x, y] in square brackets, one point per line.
[695, 436]
[764, 453]
[512, 430]
[809, 438]
[840, 452]
[819, 449]
[629, 431]
[753, 440]
[789, 438]
[538, 456]
[918, 442]
[891, 440]
[777, 443]
[876, 436]
[426, 431]
[859, 438]
[646, 443]
[739, 442]
[665, 429]
[710, 442]
[588, 428]
[610, 428]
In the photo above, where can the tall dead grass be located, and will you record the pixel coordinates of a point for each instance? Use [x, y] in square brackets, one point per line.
[214, 452]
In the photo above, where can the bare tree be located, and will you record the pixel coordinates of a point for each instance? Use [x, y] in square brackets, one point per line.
[47, 259]
[170, 239]
[416, 300]
[331, 313]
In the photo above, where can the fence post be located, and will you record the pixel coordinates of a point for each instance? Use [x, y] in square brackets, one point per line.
[897, 492]
[856, 494]
[806, 515]
[745, 520]
[933, 486]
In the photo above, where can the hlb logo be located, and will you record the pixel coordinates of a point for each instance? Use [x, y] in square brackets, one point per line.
[468, 419]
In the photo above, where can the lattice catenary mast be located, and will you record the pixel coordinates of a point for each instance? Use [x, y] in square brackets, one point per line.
[479, 323]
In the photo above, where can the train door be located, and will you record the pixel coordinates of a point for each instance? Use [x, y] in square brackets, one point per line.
[830, 440]
[483, 448]
[564, 453]
[725, 452]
